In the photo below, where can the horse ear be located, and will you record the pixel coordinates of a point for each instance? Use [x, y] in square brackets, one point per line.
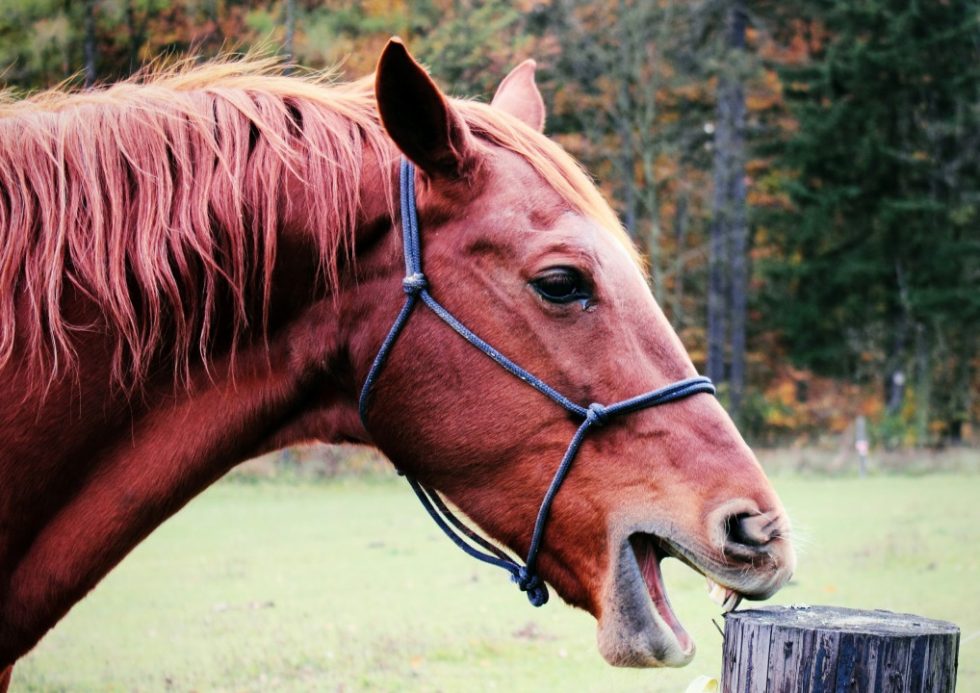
[518, 95]
[417, 117]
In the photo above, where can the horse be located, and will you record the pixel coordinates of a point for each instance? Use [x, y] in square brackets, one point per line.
[201, 264]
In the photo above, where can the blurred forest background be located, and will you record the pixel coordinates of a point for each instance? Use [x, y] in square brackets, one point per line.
[804, 176]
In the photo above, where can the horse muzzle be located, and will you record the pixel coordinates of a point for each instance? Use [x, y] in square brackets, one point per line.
[746, 556]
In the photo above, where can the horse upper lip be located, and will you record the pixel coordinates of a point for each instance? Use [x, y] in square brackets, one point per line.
[723, 595]
[731, 576]
[730, 597]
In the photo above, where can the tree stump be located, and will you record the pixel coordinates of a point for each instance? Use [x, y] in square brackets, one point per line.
[825, 649]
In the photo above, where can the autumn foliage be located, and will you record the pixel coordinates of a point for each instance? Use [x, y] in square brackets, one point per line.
[858, 135]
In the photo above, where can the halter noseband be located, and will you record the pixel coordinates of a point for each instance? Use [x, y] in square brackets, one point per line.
[416, 289]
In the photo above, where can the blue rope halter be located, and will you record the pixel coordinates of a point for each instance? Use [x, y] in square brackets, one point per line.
[415, 286]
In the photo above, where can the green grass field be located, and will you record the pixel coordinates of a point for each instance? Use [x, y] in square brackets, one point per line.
[348, 585]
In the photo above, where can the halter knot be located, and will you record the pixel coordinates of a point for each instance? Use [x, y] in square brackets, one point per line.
[597, 414]
[414, 283]
[537, 592]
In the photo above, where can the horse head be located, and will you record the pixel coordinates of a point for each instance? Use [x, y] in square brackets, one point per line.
[517, 246]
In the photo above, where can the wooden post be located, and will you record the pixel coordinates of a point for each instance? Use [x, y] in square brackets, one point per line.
[826, 649]
[861, 444]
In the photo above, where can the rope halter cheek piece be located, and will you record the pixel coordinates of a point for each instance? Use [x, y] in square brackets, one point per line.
[415, 286]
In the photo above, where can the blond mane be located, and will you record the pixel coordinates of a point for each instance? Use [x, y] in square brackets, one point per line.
[159, 198]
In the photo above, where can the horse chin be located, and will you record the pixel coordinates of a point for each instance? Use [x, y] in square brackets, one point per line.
[637, 626]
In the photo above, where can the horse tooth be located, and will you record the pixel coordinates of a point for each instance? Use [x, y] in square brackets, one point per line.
[717, 593]
[732, 602]
[728, 599]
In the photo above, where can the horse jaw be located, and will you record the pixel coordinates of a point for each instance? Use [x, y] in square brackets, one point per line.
[636, 625]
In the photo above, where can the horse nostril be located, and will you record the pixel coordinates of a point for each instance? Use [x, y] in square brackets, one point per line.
[750, 530]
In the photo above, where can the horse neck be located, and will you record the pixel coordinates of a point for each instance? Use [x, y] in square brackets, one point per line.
[296, 382]
[88, 470]
[333, 339]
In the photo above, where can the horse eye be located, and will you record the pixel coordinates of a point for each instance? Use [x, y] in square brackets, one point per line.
[562, 285]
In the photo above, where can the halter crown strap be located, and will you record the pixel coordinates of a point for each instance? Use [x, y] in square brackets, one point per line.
[415, 285]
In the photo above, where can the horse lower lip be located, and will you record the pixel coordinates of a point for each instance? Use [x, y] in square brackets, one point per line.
[648, 552]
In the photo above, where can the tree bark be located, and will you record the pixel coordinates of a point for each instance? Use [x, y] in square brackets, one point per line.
[680, 238]
[290, 21]
[923, 386]
[729, 229]
[624, 125]
[836, 650]
[88, 46]
[716, 299]
[137, 32]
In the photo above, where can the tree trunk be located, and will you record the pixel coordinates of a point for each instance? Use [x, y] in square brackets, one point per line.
[730, 201]
[627, 165]
[88, 46]
[923, 385]
[624, 125]
[963, 396]
[716, 300]
[680, 237]
[290, 21]
[836, 650]
[137, 32]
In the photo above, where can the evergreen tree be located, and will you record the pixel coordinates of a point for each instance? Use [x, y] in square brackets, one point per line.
[879, 269]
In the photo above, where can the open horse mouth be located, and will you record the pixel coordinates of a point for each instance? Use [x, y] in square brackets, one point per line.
[638, 626]
[649, 551]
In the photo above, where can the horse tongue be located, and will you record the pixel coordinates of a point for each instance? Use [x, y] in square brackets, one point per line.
[648, 558]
